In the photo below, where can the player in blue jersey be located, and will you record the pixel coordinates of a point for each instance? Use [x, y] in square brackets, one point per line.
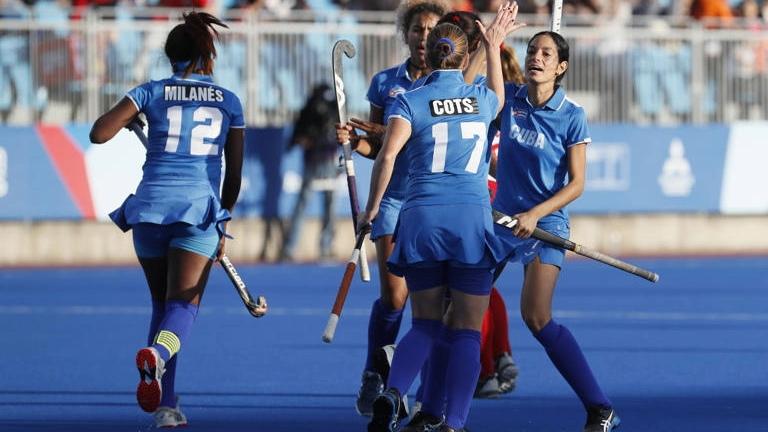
[415, 20]
[467, 21]
[540, 169]
[180, 209]
[443, 242]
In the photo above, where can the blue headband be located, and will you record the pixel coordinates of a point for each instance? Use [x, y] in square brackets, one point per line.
[181, 66]
[449, 42]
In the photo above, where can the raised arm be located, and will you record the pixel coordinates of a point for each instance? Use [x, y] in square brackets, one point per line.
[493, 37]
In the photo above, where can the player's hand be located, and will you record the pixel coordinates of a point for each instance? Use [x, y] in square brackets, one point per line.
[502, 25]
[220, 253]
[365, 218]
[373, 131]
[136, 120]
[346, 133]
[526, 223]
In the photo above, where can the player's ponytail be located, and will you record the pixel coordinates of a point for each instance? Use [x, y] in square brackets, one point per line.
[190, 45]
[446, 47]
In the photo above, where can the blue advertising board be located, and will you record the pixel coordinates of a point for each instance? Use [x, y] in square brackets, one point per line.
[53, 172]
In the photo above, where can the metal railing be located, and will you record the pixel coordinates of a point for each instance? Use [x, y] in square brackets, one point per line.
[57, 69]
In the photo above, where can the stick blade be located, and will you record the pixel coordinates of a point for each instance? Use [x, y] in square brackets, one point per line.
[258, 308]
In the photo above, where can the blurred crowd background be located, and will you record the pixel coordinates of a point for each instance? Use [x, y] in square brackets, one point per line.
[638, 61]
[676, 93]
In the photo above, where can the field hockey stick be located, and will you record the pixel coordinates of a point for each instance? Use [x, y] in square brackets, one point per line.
[547, 237]
[557, 15]
[345, 47]
[256, 308]
[346, 281]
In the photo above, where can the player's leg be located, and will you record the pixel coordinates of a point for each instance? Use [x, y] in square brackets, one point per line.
[501, 351]
[291, 235]
[487, 383]
[427, 295]
[561, 347]
[189, 259]
[470, 290]
[150, 243]
[383, 325]
[329, 225]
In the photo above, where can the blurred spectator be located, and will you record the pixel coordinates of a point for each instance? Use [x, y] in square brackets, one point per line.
[650, 8]
[661, 72]
[612, 54]
[18, 95]
[712, 13]
[314, 131]
[373, 5]
[461, 5]
[189, 4]
[58, 53]
[747, 72]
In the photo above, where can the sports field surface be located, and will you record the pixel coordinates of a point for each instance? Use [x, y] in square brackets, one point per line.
[689, 353]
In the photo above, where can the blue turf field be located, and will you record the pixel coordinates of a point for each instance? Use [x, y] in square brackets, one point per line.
[686, 354]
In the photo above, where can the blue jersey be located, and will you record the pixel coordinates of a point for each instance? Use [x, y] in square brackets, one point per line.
[188, 121]
[532, 160]
[446, 214]
[384, 88]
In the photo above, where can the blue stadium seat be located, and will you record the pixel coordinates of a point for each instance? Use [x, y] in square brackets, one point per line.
[676, 78]
[229, 71]
[645, 72]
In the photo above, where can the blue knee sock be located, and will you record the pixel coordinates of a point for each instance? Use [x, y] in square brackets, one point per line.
[169, 380]
[158, 313]
[461, 375]
[175, 327]
[568, 358]
[432, 396]
[423, 379]
[411, 353]
[383, 326]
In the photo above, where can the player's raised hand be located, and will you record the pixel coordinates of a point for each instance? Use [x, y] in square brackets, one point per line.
[503, 24]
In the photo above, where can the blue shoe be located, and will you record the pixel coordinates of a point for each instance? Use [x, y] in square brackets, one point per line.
[601, 419]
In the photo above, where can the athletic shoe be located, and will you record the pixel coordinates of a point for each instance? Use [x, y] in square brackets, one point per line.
[151, 368]
[382, 361]
[506, 373]
[386, 411]
[423, 422]
[370, 387]
[601, 419]
[488, 388]
[167, 417]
